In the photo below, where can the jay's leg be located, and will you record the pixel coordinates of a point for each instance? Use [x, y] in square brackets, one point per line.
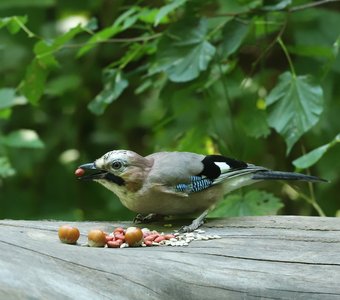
[199, 221]
[140, 218]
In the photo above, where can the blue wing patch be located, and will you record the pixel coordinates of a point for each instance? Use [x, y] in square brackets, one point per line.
[197, 184]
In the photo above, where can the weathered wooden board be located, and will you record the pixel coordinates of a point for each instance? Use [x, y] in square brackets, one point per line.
[258, 257]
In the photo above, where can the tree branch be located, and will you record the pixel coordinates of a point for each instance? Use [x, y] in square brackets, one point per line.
[310, 5]
[115, 40]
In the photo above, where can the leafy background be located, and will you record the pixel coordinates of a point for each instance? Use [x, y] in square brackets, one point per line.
[256, 80]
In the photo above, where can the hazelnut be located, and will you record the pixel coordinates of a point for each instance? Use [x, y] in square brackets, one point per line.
[68, 234]
[96, 238]
[134, 236]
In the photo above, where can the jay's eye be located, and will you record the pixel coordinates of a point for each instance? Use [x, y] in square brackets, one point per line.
[117, 165]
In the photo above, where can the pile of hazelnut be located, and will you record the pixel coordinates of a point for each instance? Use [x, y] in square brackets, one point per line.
[119, 238]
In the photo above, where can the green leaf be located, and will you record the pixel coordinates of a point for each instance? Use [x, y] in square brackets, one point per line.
[99, 37]
[312, 51]
[254, 122]
[14, 23]
[148, 16]
[26, 3]
[114, 84]
[310, 158]
[133, 53]
[167, 9]
[44, 50]
[253, 203]
[92, 24]
[66, 37]
[7, 98]
[23, 138]
[123, 22]
[192, 140]
[34, 82]
[183, 54]
[62, 84]
[294, 106]
[128, 18]
[315, 155]
[5, 113]
[276, 4]
[234, 32]
[143, 86]
[336, 46]
[5, 167]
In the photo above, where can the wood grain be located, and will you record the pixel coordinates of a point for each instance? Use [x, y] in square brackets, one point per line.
[279, 257]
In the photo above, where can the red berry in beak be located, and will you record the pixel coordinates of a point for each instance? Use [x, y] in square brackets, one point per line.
[79, 172]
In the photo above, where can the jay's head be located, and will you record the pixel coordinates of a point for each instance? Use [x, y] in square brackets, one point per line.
[118, 167]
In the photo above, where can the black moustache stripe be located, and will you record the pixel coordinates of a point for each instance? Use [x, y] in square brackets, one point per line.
[115, 179]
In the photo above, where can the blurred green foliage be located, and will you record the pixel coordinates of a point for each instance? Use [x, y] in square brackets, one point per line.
[252, 79]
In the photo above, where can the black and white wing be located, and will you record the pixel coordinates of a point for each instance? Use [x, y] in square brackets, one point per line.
[216, 170]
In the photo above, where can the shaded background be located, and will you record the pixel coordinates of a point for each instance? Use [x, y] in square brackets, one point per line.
[221, 109]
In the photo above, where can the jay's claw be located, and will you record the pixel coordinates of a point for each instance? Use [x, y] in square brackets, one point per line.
[193, 226]
[199, 221]
[140, 218]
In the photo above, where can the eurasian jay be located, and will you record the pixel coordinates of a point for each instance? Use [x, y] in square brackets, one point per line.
[176, 183]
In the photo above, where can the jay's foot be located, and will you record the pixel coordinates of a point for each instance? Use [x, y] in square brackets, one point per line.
[139, 218]
[199, 221]
[193, 226]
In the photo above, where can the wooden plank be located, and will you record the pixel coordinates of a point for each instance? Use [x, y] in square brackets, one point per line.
[277, 257]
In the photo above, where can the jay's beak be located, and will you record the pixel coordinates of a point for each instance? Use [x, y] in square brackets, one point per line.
[99, 174]
[96, 173]
[88, 166]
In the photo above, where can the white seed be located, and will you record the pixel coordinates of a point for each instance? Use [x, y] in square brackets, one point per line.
[179, 239]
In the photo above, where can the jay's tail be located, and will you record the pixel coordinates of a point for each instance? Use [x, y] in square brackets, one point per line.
[277, 175]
